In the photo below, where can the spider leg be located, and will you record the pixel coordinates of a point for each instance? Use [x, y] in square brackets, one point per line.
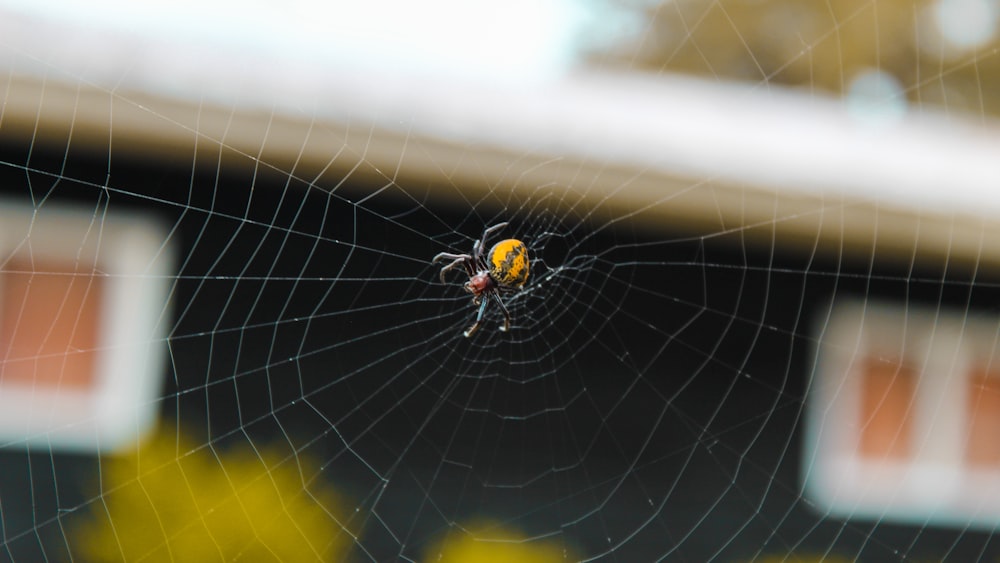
[449, 256]
[506, 313]
[480, 245]
[493, 229]
[477, 251]
[457, 260]
[479, 318]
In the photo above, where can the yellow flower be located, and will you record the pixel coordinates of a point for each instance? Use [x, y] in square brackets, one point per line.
[491, 543]
[173, 500]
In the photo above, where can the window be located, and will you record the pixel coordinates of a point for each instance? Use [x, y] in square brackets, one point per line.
[904, 416]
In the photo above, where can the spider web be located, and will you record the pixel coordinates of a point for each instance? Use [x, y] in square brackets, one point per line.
[652, 398]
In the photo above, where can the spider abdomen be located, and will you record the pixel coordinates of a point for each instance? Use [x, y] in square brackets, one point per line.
[508, 260]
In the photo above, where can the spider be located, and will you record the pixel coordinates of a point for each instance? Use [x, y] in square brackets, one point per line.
[503, 269]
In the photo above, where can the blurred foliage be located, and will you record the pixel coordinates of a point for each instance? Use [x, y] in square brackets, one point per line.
[486, 542]
[174, 501]
[813, 45]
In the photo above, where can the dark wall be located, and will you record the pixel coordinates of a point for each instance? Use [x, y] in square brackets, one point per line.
[653, 383]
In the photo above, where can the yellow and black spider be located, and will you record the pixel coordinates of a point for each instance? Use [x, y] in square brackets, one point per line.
[503, 269]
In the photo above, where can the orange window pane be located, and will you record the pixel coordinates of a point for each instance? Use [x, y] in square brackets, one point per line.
[983, 445]
[887, 393]
[49, 317]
